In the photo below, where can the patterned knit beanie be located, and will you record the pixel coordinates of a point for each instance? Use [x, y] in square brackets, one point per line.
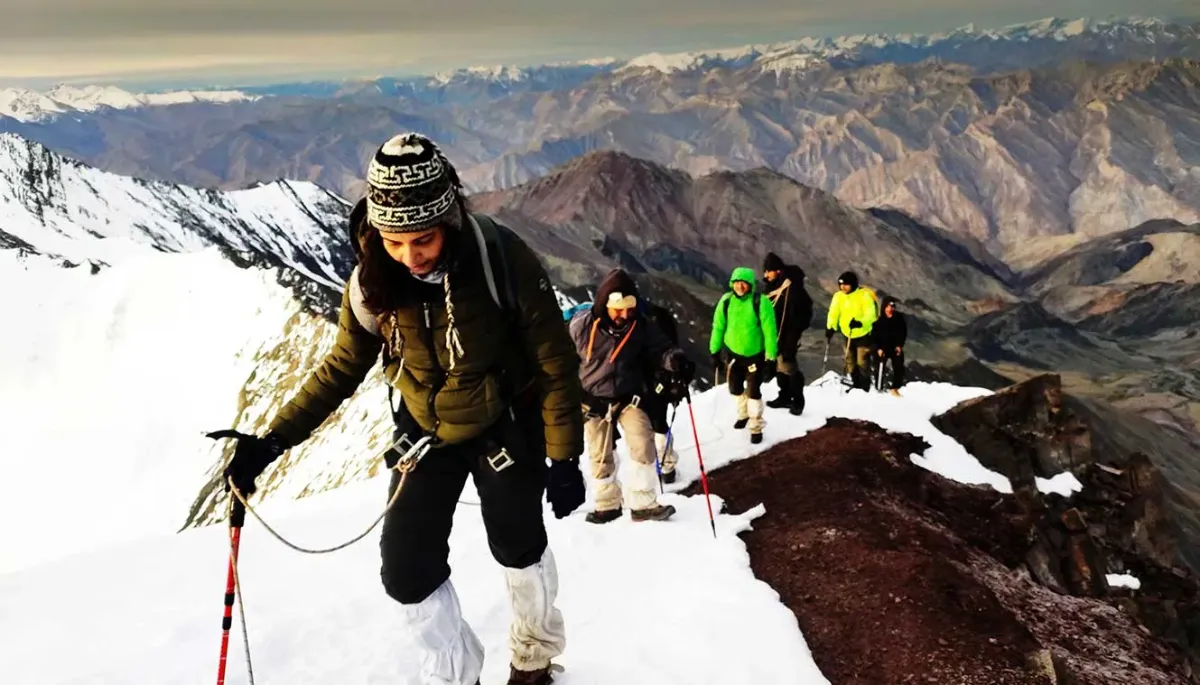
[412, 187]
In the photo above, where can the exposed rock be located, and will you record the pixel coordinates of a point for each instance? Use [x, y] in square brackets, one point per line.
[934, 581]
[1021, 431]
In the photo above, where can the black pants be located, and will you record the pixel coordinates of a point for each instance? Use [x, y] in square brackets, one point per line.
[742, 379]
[789, 376]
[415, 542]
[897, 360]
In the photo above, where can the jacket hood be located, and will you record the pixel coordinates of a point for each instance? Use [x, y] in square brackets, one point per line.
[616, 281]
[744, 273]
[773, 262]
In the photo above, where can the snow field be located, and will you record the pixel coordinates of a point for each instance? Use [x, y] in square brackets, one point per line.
[652, 603]
[110, 381]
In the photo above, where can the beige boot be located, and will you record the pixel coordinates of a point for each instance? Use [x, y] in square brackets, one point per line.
[757, 423]
[743, 411]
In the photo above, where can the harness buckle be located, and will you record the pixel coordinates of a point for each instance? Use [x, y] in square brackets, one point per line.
[411, 452]
[500, 461]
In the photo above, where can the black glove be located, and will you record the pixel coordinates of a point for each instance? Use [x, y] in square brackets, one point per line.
[685, 370]
[564, 487]
[716, 359]
[250, 459]
[855, 323]
[768, 369]
[829, 334]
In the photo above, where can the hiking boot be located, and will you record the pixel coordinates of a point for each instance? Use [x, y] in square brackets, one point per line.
[668, 476]
[756, 438]
[894, 392]
[740, 423]
[797, 407]
[541, 676]
[780, 402]
[603, 516]
[657, 512]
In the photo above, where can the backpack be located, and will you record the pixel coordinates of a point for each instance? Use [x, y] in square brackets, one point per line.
[570, 312]
[757, 305]
[661, 317]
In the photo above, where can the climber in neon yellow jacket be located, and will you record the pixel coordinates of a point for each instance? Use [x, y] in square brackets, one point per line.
[744, 323]
[852, 312]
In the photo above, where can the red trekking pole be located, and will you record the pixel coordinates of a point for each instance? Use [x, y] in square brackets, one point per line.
[703, 476]
[236, 519]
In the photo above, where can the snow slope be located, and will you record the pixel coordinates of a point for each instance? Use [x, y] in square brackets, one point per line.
[148, 612]
[320, 619]
[131, 333]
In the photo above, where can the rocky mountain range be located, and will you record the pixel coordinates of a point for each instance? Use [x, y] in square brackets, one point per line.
[1022, 138]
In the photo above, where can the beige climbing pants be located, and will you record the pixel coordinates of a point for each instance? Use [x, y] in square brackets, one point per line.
[641, 478]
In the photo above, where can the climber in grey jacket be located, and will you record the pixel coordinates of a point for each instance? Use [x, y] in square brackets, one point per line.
[616, 343]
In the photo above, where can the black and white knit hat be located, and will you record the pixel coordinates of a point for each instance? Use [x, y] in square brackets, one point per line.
[411, 186]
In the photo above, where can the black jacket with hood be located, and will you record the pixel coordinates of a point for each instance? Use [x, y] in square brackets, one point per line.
[613, 361]
[793, 306]
[890, 332]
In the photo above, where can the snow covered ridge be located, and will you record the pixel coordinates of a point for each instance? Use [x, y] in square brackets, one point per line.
[64, 209]
[806, 52]
[31, 106]
[803, 53]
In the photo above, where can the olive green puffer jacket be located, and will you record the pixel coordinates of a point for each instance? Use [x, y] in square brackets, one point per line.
[460, 403]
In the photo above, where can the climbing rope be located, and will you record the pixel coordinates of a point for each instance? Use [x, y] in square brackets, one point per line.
[404, 465]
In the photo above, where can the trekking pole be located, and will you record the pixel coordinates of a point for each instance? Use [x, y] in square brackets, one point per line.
[666, 450]
[236, 519]
[703, 476]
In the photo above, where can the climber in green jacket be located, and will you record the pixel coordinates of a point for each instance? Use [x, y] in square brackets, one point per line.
[852, 312]
[744, 324]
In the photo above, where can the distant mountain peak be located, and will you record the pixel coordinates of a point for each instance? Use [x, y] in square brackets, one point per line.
[31, 106]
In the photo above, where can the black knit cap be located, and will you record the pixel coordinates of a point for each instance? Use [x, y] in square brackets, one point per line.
[849, 278]
[411, 187]
[772, 262]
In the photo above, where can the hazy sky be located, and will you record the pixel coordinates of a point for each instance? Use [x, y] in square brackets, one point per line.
[253, 41]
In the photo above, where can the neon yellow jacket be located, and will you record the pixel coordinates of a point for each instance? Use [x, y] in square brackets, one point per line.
[858, 304]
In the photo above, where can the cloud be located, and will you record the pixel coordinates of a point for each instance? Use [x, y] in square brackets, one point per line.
[122, 39]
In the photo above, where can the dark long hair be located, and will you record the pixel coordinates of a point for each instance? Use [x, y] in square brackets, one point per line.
[386, 283]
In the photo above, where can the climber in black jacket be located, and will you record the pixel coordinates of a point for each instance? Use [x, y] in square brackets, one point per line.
[891, 332]
[793, 314]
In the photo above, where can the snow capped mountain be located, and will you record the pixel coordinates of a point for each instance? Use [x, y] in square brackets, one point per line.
[144, 314]
[810, 51]
[66, 210]
[30, 106]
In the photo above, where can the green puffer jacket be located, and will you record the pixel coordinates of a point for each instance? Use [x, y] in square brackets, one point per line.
[742, 332]
[460, 403]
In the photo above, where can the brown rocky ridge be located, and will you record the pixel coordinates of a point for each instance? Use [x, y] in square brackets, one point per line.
[898, 575]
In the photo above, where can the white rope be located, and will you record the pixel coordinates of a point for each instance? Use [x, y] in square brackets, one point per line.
[404, 465]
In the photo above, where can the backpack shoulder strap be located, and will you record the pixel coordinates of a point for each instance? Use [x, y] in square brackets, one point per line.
[495, 261]
[359, 306]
